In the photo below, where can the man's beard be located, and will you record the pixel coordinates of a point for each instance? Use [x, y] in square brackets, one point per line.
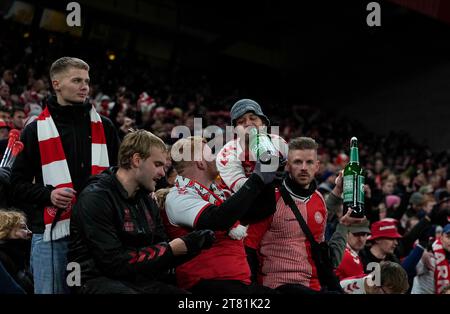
[303, 179]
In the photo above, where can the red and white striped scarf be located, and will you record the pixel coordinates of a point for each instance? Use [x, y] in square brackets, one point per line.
[442, 269]
[55, 171]
[213, 194]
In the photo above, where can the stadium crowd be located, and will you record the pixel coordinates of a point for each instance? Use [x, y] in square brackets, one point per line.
[144, 213]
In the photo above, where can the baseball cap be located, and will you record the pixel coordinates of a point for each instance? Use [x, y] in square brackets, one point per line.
[358, 228]
[243, 106]
[384, 229]
[446, 229]
[327, 174]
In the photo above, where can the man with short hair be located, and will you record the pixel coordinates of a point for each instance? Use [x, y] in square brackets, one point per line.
[416, 201]
[351, 264]
[287, 263]
[117, 236]
[18, 118]
[64, 146]
[5, 114]
[393, 280]
[196, 202]
[384, 239]
[7, 77]
[5, 95]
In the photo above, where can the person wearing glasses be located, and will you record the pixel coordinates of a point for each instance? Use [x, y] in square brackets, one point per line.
[351, 264]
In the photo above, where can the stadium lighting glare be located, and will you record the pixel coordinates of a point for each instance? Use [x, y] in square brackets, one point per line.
[111, 56]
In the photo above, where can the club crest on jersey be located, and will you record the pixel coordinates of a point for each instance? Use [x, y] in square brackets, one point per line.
[182, 190]
[318, 217]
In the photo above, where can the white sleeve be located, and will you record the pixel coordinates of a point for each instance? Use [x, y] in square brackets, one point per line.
[230, 168]
[280, 144]
[184, 206]
[420, 268]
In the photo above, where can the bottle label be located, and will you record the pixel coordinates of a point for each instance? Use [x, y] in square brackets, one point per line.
[348, 189]
[260, 143]
[361, 189]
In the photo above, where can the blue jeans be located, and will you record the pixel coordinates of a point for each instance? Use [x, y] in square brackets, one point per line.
[49, 273]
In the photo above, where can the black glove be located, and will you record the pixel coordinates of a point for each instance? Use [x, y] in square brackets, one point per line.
[265, 167]
[5, 174]
[281, 172]
[198, 240]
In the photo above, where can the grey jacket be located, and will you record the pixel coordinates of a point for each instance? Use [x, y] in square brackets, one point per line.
[338, 240]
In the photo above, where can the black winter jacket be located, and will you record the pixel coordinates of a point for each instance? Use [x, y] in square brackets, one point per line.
[15, 256]
[74, 128]
[118, 237]
[367, 257]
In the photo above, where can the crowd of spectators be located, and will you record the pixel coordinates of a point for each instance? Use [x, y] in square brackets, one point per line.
[405, 181]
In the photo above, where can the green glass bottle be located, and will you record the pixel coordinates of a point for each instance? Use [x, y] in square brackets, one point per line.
[354, 183]
[261, 145]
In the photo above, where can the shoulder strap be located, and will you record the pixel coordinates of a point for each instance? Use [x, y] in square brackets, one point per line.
[290, 202]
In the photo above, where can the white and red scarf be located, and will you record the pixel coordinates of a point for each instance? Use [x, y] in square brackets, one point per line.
[55, 171]
[441, 272]
[213, 195]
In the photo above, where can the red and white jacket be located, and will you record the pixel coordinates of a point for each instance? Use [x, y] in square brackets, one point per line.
[234, 166]
[354, 285]
[226, 259]
[285, 253]
[351, 265]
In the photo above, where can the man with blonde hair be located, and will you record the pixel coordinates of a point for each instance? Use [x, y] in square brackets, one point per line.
[64, 146]
[117, 236]
[196, 202]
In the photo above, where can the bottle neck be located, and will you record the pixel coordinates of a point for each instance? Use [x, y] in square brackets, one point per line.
[354, 155]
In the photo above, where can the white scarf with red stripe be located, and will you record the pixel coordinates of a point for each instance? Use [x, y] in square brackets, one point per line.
[55, 171]
[441, 272]
[215, 195]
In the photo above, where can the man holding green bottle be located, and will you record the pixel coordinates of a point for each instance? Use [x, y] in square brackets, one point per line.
[288, 260]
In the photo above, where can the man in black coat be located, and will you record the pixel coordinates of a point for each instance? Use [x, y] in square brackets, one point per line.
[61, 151]
[117, 236]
